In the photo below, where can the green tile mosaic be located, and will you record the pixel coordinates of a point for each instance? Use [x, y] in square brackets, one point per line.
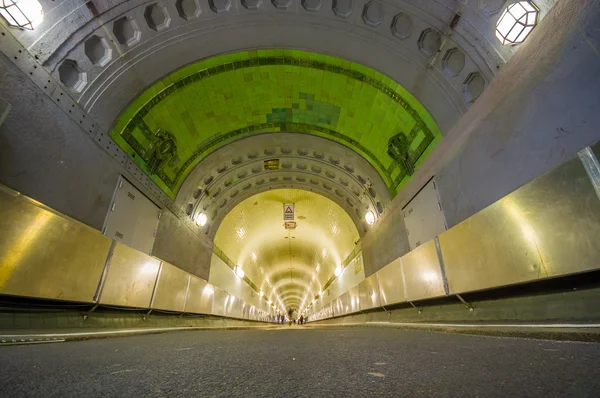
[215, 101]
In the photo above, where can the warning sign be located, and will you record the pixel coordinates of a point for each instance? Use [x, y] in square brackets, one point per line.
[288, 211]
[290, 225]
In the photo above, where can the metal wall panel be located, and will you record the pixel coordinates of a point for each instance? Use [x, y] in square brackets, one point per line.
[234, 307]
[391, 283]
[344, 303]
[132, 218]
[354, 300]
[368, 293]
[423, 216]
[422, 273]
[221, 298]
[171, 289]
[547, 228]
[130, 279]
[336, 307]
[200, 296]
[45, 255]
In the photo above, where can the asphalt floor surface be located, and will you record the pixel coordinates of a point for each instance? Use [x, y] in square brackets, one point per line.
[302, 362]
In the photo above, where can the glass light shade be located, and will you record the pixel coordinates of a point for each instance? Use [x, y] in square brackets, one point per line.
[24, 14]
[370, 218]
[201, 219]
[338, 270]
[516, 22]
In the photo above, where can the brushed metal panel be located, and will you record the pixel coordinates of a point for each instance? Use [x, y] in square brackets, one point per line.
[391, 283]
[328, 312]
[132, 218]
[354, 300]
[46, 255]
[423, 216]
[220, 300]
[252, 313]
[547, 228]
[130, 279]
[422, 273]
[368, 293]
[344, 303]
[336, 307]
[171, 289]
[200, 296]
[245, 310]
[234, 307]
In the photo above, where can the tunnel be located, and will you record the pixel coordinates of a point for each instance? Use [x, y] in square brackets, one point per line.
[299, 198]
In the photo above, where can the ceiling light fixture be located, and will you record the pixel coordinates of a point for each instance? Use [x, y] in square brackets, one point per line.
[201, 219]
[24, 14]
[370, 218]
[517, 22]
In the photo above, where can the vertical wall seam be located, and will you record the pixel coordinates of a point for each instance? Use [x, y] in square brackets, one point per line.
[160, 267]
[403, 279]
[187, 292]
[102, 281]
[442, 265]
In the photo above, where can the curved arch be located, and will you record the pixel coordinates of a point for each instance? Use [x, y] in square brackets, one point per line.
[236, 172]
[214, 102]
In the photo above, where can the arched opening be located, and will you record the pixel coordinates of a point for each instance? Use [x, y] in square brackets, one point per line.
[292, 265]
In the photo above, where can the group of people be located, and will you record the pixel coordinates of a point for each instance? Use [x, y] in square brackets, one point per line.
[291, 317]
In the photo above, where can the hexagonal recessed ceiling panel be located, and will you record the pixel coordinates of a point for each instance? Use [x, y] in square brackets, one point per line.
[402, 25]
[373, 13]
[157, 17]
[188, 9]
[98, 50]
[211, 103]
[72, 76]
[280, 261]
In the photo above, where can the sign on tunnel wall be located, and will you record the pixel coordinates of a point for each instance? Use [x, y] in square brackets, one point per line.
[288, 211]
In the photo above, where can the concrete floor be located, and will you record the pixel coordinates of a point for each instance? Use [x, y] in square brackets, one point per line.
[306, 362]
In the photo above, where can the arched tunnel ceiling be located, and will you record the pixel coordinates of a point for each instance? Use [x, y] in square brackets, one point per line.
[287, 264]
[216, 101]
[236, 171]
[106, 53]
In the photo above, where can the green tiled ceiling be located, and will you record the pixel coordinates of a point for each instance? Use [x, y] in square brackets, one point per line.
[215, 101]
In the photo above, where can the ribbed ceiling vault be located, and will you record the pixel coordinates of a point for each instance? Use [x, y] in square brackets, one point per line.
[236, 172]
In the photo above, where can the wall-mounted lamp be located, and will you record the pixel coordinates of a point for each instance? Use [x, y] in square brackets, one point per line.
[338, 270]
[239, 272]
[24, 14]
[370, 218]
[201, 219]
[516, 22]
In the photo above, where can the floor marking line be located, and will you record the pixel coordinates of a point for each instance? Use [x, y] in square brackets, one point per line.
[131, 331]
[122, 371]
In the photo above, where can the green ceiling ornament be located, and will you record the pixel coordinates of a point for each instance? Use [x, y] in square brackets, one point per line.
[161, 150]
[216, 101]
[398, 149]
